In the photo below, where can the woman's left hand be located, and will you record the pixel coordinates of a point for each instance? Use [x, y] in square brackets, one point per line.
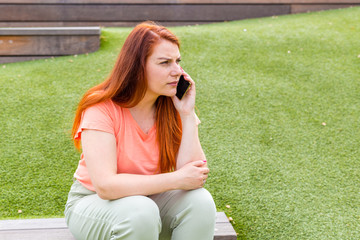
[186, 105]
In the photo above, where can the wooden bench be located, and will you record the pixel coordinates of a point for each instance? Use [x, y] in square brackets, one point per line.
[20, 44]
[56, 229]
[116, 13]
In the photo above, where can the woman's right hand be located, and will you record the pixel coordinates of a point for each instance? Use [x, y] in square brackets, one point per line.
[192, 175]
[186, 105]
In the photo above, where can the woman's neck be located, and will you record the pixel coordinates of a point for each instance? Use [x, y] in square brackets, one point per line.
[146, 106]
[144, 113]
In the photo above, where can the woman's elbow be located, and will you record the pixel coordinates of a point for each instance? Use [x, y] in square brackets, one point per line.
[103, 191]
[104, 195]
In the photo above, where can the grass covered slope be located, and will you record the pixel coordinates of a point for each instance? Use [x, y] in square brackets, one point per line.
[279, 103]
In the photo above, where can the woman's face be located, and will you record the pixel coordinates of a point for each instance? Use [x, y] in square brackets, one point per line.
[163, 69]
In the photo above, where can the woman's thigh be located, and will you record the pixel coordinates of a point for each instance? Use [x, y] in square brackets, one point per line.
[186, 214]
[135, 217]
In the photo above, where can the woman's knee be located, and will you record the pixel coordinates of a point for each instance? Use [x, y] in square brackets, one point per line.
[196, 206]
[202, 202]
[142, 221]
[145, 213]
[196, 218]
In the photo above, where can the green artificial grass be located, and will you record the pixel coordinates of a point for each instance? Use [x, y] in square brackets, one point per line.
[279, 103]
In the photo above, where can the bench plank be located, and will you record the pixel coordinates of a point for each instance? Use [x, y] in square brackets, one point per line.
[13, 59]
[128, 12]
[177, 1]
[116, 13]
[46, 31]
[32, 224]
[37, 234]
[98, 23]
[303, 8]
[47, 45]
[56, 229]
[19, 44]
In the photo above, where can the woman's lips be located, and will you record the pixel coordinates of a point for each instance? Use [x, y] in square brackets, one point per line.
[174, 83]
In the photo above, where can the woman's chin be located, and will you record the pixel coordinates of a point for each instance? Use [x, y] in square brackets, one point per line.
[170, 94]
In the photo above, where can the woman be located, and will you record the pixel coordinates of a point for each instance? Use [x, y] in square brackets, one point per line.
[142, 167]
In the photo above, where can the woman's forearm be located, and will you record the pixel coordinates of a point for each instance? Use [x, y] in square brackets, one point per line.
[123, 185]
[191, 176]
[190, 147]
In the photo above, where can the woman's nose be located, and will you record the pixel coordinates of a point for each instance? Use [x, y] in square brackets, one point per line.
[177, 70]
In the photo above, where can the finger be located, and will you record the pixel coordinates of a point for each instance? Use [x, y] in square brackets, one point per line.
[187, 77]
[206, 171]
[198, 163]
[183, 71]
[204, 181]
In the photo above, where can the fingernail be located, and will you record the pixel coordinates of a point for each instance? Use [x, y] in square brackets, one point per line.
[204, 160]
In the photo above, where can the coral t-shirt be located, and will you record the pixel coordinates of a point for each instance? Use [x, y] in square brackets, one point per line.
[137, 152]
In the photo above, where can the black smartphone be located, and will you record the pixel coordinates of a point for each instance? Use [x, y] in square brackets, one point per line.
[182, 87]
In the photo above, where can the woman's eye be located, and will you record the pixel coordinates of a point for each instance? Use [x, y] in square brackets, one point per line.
[166, 62]
[178, 61]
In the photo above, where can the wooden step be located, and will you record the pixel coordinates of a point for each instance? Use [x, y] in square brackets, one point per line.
[56, 229]
[20, 44]
[116, 13]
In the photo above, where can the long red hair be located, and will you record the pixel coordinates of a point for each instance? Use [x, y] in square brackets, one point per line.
[127, 85]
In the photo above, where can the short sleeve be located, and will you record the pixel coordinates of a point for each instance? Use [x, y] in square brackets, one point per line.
[96, 117]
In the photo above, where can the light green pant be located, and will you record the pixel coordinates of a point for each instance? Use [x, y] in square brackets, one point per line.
[176, 215]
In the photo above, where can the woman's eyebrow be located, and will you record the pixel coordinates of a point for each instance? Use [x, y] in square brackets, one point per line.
[165, 58]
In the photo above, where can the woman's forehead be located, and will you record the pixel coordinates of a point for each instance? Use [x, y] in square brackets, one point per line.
[166, 49]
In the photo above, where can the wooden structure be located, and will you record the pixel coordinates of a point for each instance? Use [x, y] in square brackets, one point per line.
[115, 13]
[53, 15]
[20, 44]
[56, 229]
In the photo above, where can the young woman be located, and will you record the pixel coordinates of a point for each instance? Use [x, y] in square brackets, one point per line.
[142, 168]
